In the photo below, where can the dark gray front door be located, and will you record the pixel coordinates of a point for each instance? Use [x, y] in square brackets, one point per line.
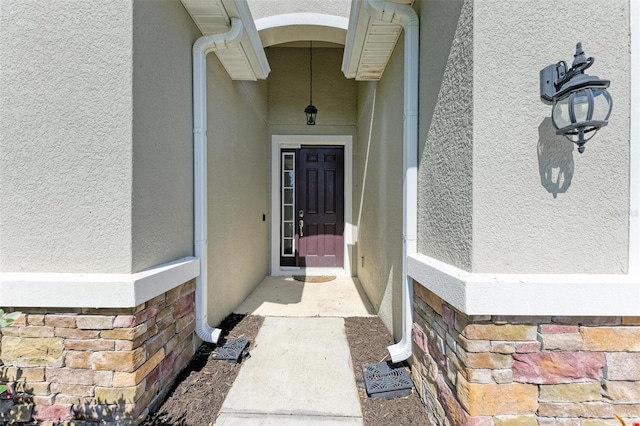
[319, 208]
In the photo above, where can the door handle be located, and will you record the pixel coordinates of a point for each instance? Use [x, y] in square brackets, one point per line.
[301, 226]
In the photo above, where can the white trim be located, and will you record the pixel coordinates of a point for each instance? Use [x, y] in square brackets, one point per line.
[60, 290]
[356, 34]
[528, 294]
[292, 27]
[278, 142]
[289, 19]
[634, 148]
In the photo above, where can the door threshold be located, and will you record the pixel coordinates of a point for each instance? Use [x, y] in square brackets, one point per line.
[289, 271]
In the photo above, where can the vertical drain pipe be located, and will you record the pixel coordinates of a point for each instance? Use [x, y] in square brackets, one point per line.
[406, 17]
[201, 47]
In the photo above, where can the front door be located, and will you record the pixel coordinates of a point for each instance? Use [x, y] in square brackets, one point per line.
[313, 207]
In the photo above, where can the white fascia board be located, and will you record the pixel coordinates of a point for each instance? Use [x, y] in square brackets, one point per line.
[250, 42]
[356, 35]
[528, 294]
[60, 290]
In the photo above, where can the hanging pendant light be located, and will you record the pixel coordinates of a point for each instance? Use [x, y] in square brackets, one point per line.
[311, 110]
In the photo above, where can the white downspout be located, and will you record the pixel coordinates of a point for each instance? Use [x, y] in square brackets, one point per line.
[634, 149]
[404, 15]
[201, 47]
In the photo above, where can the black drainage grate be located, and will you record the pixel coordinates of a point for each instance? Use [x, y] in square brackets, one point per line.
[233, 351]
[386, 380]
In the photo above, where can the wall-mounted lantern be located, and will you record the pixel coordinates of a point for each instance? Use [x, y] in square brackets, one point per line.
[581, 102]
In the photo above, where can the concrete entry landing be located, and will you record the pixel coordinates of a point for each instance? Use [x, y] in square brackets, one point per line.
[286, 297]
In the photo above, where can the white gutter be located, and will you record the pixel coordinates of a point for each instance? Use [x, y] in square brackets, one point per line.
[404, 15]
[201, 47]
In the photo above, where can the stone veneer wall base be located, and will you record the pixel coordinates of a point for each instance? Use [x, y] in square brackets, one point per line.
[84, 366]
[538, 371]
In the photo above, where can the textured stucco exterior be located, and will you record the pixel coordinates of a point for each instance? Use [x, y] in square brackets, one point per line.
[65, 136]
[499, 192]
[378, 194]
[109, 114]
[162, 228]
[238, 189]
[445, 131]
[333, 95]
[538, 205]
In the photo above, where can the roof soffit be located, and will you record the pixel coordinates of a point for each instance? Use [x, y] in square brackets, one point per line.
[369, 44]
[245, 61]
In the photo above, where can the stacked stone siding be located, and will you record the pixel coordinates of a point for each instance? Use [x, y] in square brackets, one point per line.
[84, 366]
[538, 371]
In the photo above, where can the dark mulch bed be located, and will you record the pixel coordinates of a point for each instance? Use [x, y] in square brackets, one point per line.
[199, 391]
[368, 340]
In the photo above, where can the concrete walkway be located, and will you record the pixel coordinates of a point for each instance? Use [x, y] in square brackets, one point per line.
[299, 373]
[300, 369]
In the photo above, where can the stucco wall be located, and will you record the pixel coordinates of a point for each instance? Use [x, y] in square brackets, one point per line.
[65, 136]
[445, 136]
[498, 190]
[333, 95]
[538, 205]
[163, 34]
[378, 192]
[238, 188]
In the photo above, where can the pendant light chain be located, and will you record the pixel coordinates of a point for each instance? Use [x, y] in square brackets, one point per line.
[311, 111]
[310, 72]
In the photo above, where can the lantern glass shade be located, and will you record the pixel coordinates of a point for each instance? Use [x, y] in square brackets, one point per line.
[560, 113]
[601, 104]
[581, 112]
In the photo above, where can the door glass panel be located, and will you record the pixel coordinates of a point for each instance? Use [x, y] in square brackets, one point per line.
[288, 196]
[288, 179]
[287, 248]
[288, 162]
[288, 230]
[288, 214]
[288, 204]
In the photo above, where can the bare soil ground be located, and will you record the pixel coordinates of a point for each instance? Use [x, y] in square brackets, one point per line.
[368, 340]
[199, 391]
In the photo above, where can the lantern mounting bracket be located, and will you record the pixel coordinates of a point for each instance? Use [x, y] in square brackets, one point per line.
[554, 76]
